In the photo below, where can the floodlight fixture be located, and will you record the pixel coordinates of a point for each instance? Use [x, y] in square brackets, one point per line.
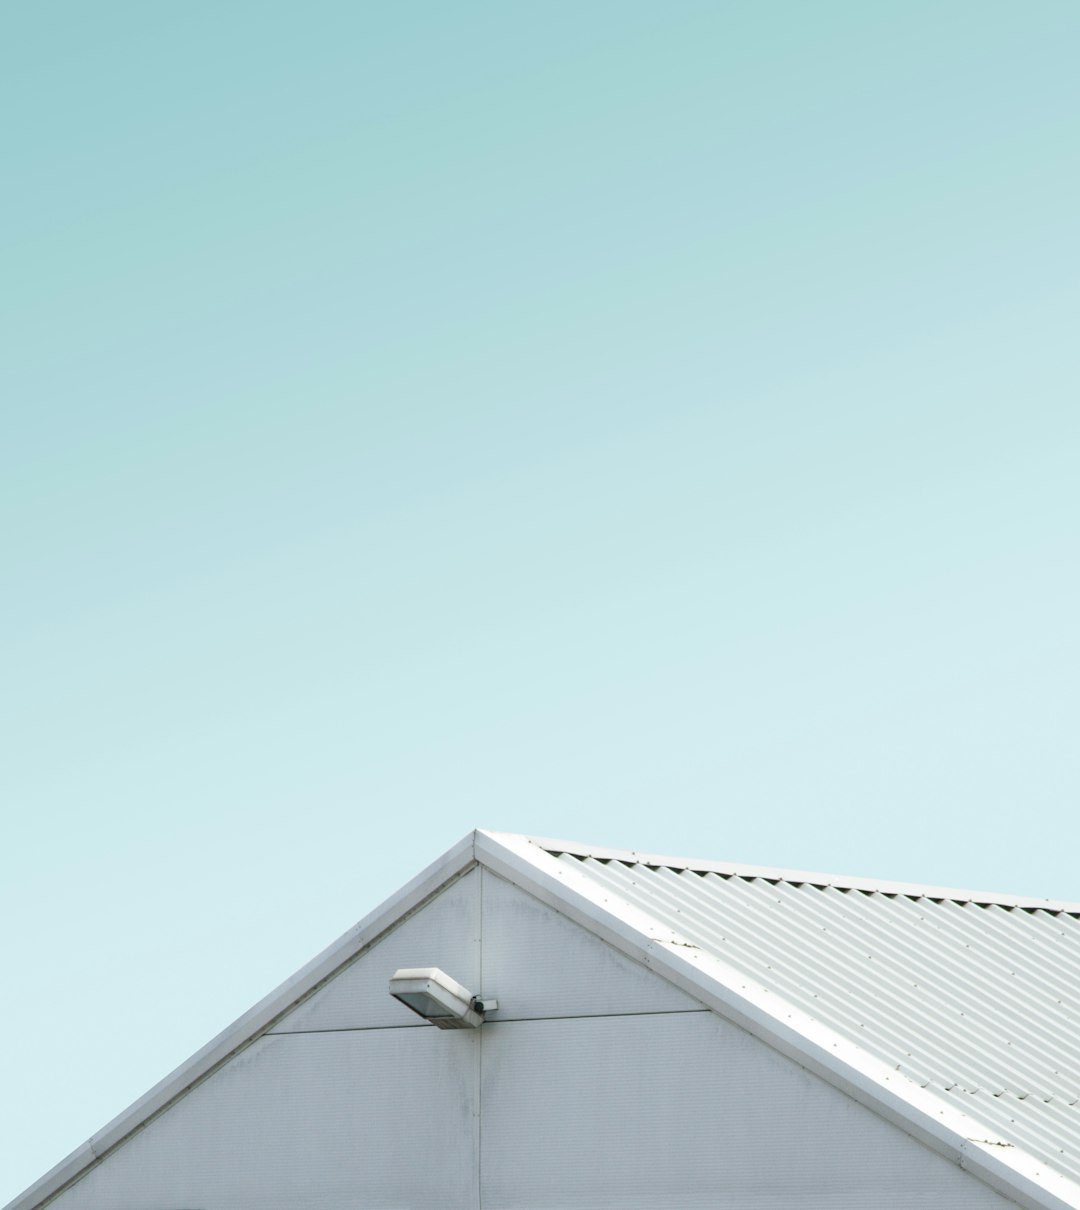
[433, 995]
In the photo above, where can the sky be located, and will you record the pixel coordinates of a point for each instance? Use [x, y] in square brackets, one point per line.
[653, 425]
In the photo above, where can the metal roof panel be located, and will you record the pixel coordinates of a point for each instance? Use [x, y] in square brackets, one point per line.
[976, 998]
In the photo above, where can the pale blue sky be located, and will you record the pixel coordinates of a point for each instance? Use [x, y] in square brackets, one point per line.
[651, 424]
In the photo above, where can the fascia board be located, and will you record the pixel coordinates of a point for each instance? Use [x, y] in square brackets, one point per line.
[841, 882]
[958, 1137]
[252, 1025]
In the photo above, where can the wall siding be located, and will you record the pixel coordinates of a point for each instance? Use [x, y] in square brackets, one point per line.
[596, 1084]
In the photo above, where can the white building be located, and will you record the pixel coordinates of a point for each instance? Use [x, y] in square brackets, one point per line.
[669, 1034]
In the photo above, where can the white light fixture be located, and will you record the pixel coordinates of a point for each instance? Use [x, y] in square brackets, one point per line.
[433, 995]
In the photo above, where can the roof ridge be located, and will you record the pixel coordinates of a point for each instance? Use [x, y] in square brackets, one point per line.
[840, 882]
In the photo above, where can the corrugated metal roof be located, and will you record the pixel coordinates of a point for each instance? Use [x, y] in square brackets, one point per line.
[975, 999]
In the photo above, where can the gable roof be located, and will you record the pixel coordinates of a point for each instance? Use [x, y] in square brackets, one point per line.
[952, 1014]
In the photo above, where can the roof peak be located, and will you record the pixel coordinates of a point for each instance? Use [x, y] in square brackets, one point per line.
[840, 882]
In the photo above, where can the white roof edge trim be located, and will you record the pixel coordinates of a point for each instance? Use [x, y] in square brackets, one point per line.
[926, 1117]
[839, 881]
[252, 1025]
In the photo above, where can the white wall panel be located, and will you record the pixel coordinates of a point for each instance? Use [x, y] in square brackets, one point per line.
[684, 1111]
[597, 1084]
[445, 933]
[540, 964]
[379, 1118]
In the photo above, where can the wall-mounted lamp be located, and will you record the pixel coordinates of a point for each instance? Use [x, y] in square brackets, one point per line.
[437, 998]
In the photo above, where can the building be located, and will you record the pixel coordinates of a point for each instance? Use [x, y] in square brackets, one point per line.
[668, 1033]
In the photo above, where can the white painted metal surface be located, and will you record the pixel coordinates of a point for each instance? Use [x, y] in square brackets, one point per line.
[622, 988]
[540, 964]
[940, 1123]
[382, 1117]
[445, 933]
[843, 881]
[686, 1112]
[979, 1004]
[247, 1029]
